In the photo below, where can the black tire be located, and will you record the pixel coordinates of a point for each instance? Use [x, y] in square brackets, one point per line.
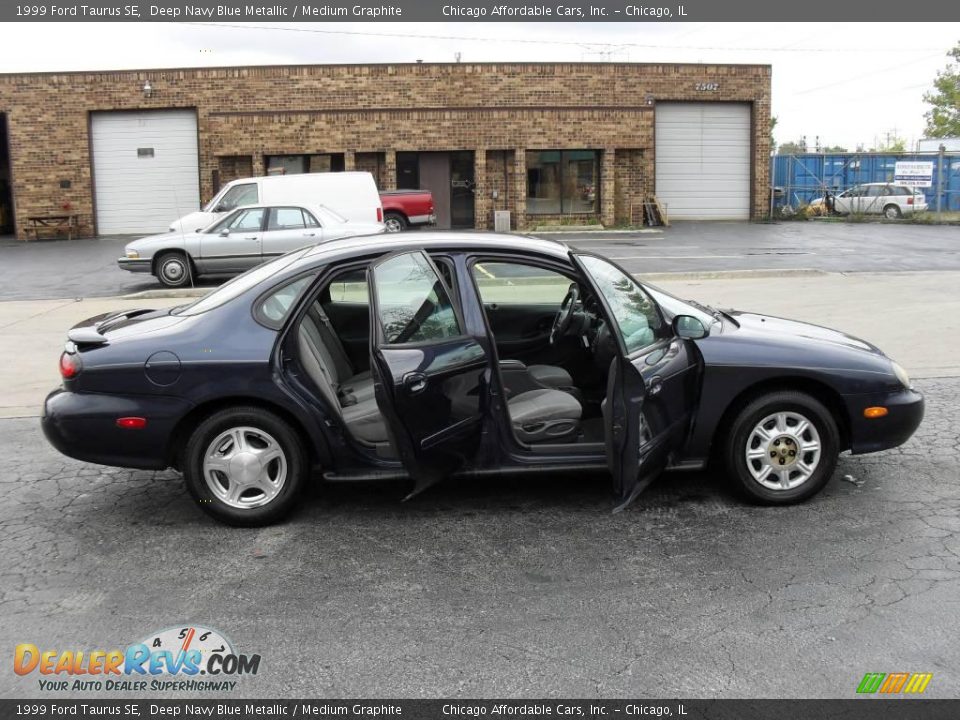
[395, 222]
[892, 212]
[294, 455]
[173, 269]
[742, 432]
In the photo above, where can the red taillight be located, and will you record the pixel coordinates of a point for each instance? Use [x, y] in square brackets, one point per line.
[379, 214]
[909, 201]
[69, 365]
[132, 423]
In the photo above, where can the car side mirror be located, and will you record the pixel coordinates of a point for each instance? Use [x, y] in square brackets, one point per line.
[225, 232]
[689, 327]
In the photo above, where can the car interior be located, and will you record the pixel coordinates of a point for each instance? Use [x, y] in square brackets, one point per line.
[553, 346]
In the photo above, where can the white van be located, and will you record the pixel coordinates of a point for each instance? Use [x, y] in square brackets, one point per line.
[351, 194]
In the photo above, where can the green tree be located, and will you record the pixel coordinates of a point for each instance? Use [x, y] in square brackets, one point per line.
[834, 149]
[793, 148]
[773, 141]
[943, 118]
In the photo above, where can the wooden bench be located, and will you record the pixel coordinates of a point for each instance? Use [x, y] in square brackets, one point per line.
[53, 224]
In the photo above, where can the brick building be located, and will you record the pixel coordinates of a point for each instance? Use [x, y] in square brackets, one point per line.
[129, 151]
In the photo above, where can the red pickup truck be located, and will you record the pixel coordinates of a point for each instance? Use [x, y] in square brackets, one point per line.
[405, 208]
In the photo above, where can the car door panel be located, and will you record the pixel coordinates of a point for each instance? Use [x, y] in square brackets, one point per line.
[522, 331]
[430, 380]
[239, 248]
[651, 390]
[287, 230]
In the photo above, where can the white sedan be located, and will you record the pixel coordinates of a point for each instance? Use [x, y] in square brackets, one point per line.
[233, 244]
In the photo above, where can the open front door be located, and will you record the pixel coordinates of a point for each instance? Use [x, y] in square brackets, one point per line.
[430, 378]
[652, 383]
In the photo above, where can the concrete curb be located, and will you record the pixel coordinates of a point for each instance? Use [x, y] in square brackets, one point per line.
[586, 229]
[736, 274]
[172, 293]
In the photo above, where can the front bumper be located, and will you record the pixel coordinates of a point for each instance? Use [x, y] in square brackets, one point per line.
[904, 415]
[84, 426]
[137, 265]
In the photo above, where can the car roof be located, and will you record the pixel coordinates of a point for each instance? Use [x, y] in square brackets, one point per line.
[435, 240]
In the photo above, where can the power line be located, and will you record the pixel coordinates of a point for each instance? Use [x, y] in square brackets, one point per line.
[532, 41]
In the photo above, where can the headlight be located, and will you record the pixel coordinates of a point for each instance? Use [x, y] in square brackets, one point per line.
[133, 254]
[901, 374]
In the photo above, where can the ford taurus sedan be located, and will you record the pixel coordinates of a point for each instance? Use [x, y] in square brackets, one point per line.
[243, 239]
[465, 355]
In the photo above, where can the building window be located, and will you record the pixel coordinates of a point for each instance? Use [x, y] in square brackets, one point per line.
[562, 182]
[297, 164]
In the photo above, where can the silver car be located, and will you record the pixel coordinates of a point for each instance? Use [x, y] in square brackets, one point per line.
[233, 244]
[889, 199]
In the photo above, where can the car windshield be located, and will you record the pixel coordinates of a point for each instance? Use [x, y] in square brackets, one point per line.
[240, 284]
[671, 306]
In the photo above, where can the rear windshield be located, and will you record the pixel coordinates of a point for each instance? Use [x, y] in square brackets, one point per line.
[241, 284]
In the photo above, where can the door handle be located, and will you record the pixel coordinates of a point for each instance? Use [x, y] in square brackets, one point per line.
[253, 238]
[655, 385]
[415, 383]
[309, 234]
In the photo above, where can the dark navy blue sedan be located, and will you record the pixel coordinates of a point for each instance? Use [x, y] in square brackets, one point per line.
[464, 354]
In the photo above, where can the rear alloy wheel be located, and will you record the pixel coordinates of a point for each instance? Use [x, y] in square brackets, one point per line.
[395, 222]
[173, 269]
[782, 448]
[245, 466]
[892, 212]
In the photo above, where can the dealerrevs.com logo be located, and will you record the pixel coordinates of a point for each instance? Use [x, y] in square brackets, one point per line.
[894, 683]
[190, 658]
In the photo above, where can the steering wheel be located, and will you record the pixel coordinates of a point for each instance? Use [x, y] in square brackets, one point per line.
[564, 316]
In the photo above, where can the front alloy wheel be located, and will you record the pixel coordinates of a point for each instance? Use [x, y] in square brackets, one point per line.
[245, 466]
[782, 448]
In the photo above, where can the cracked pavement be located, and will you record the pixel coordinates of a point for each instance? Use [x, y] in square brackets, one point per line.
[505, 587]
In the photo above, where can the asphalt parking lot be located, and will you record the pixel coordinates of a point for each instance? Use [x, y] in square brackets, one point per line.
[509, 587]
[519, 587]
[88, 268]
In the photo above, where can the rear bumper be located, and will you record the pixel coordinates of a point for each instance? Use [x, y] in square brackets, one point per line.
[904, 415]
[139, 265]
[84, 426]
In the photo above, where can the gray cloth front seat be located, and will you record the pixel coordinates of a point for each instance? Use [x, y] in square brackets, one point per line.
[545, 415]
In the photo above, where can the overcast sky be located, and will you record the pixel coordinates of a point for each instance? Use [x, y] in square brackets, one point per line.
[846, 83]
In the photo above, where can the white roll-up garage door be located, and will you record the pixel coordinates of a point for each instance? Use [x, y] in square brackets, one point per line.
[145, 169]
[703, 160]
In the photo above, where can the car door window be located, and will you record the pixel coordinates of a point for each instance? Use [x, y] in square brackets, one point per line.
[413, 302]
[286, 218]
[636, 315]
[509, 283]
[275, 307]
[309, 220]
[876, 191]
[247, 220]
[239, 195]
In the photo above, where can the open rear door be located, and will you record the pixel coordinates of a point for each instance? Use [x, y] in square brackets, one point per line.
[430, 378]
[651, 385]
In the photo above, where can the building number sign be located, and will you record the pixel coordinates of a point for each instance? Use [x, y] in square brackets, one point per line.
[706, 86]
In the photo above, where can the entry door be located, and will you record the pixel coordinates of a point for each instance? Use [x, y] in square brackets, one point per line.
[652, 385]
[435, 177]
[462, 189]
[431, 380]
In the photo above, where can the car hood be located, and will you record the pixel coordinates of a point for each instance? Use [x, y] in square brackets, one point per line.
[108, 327]
[794, 331]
